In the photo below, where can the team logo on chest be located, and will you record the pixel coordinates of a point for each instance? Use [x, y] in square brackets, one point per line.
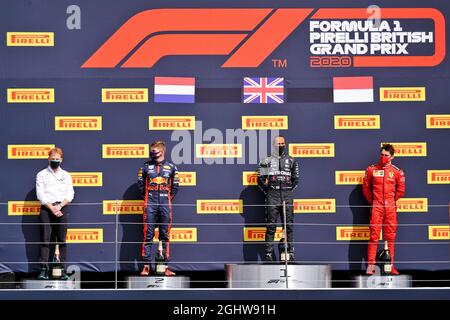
[378, 173]
[286, 163]
[158, 180]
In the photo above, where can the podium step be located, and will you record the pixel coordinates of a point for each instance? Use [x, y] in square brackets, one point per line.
[155, 282]
[50, 284]
[377, 281]
[274, 276]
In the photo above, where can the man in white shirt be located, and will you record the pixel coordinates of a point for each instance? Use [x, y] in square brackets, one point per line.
[54, 190]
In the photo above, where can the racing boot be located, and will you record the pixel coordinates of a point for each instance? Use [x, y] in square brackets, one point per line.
[146, 271]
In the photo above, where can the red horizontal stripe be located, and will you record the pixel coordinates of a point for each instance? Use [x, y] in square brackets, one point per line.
[265, 90]
[174, 81]
[353, 83]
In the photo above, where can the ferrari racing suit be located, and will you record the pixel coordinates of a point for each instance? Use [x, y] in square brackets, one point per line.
[382, 187]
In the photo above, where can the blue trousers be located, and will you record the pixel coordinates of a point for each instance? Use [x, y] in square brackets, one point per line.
[157, 213]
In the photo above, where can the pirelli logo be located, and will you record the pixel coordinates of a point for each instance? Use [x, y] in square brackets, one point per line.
[265, 122]
[125, 151]
[219, 206]
[258, 234]
[314, 205]
[171, 123]
[353, 233]
[250, 178]
[24, 208]
[29, 151]
[91, 235]
[438, 176]
[87, 179]
[409, 149]
[218, 150]
[412, 205]
[31, 95]
[123, 207]
[311, 150]
[438, 121]
[349, 177]
[179, 235]
[357, 122]
[30, 39]
[439, 232]
[124, 95]
[402, 94]
[187, 178]
[77, 123]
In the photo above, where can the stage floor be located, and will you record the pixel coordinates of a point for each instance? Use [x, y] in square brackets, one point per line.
[441, 293]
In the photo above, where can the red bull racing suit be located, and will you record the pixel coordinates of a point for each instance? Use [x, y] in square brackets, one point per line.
[158, 183]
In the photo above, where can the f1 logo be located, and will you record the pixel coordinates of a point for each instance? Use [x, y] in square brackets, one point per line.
[198, 32]
[249, 35]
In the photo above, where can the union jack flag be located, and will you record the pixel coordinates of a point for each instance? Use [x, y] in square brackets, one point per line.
[263, 90]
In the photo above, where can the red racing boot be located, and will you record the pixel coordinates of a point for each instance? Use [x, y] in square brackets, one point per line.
[169, 273]
[370, 269]
[394, 271]
[146, 271]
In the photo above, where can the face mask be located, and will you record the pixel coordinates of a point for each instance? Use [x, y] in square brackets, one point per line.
[154, 155]
[281, 149]
[384, 160]
[54, 164]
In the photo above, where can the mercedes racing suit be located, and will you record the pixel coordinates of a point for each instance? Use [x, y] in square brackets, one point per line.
[158, 183]
[382, 186]
[277, 177]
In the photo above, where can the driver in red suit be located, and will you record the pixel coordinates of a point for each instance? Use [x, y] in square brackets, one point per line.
[383, 185]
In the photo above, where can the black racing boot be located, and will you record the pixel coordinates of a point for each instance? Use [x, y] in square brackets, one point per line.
[64, 275]
[291, 257]
[44, 274]
[269, 257]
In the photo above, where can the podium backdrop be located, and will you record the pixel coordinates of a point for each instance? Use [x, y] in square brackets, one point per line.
[81, 75]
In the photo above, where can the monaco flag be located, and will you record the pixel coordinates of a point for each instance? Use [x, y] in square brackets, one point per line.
[352, 89]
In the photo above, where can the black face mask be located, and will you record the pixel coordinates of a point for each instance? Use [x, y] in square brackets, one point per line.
[54, 164]
[155, 155]
[281, 149]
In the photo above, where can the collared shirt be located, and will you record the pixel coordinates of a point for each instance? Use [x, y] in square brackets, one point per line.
[54, 186]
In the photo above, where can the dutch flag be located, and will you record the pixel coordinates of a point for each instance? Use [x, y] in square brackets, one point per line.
[352, 89]
[174, 89]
